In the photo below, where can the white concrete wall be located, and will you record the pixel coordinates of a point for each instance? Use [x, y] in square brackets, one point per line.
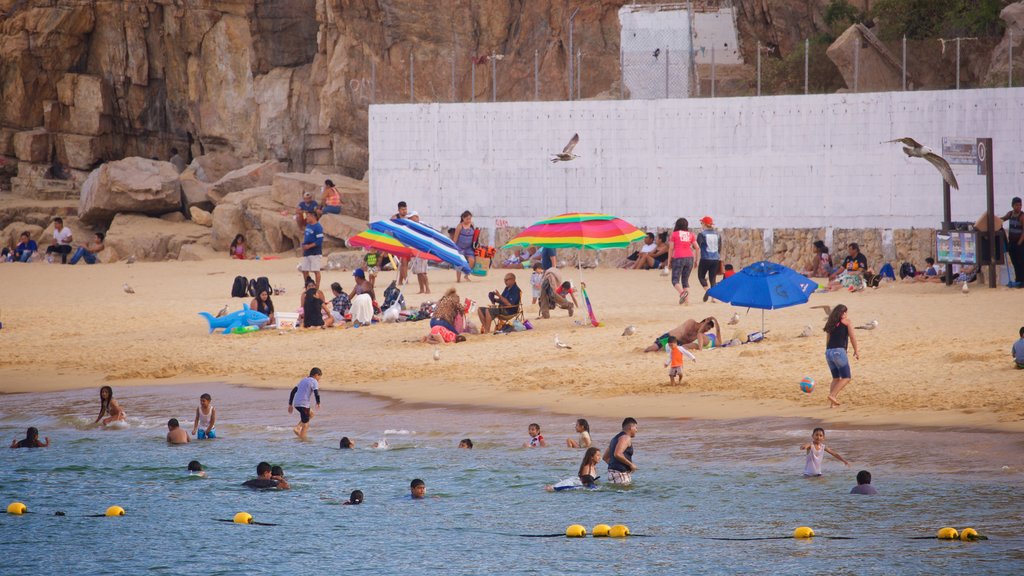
[716, 30]
[769, 162]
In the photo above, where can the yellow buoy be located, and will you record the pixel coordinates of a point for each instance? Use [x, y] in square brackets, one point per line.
[969, 535]
[575, 531]
[243, 518]
[114, 511]
[601, 530]
[947, 533]
[16, 508]
[618, 531]
[803, 532]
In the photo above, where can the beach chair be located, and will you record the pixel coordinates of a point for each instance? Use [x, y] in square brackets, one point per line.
[286, 320]
[503, 320]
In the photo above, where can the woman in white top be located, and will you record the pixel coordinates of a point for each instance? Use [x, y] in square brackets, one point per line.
[583, 429]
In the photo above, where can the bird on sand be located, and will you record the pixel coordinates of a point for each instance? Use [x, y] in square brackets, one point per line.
[806, 333]
[222, 312]
[567, 154]
[735, 319]
[965, 289]
[560, 344]
[869, 326]
[914, 149]
[629, 331]
[128, 289]
[437, 354]
[130, 260]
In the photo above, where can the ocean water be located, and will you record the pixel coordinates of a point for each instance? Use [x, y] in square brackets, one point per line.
[697, 480]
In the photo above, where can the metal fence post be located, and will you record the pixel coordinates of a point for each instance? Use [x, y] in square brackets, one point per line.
[622, 74]
[807, 64]
[494, 78]
[472, 67]
[666, 72]
[579, 74]
[412, 78]
[453, 75]
[373, 82]
[712, 71]
[856, 65]
[958, 63]
[904, 63]
[536, 76]
[572, 25]
[1009, 81]
[758, 67]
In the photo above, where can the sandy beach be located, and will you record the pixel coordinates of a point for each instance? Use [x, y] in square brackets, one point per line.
[938, 357]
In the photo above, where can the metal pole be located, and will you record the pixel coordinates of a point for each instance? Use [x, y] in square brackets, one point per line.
[807, 63]
[453, 75]
[472, 67]
[990, 192]
[712, 71]
[572, 24]
[412, 78]
[373, 82]
[958, 63]
[904, 63]
[579, 74]
[536, 76]
[691, 68]
[1009, 81]
[947, 225]
[494, 78]
[856, 64]
[622, 75]
[666, 72]
[759, 68]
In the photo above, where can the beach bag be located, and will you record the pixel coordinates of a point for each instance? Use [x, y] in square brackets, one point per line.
[393, 295]
[240, 287]
[259, 285]
[907, 270]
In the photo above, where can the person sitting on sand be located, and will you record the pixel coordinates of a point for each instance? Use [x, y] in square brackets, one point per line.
[25, 249]
[931, 272]
[448, 315]
[505, 303]
[237, 248]
[316, 313]
[820, 265]
[175, 434]
[549, 296]
[110, 407]
[536, 438]
[340, 304]
[264, 304]
[854, 271]
[31, 440]
[641, 259]
[362, 298]
[690, 334]
[264, 480]
[585, 477]
[466, 444]
[583, 429]
[1018, 350]
[89, 251]
[864, 484]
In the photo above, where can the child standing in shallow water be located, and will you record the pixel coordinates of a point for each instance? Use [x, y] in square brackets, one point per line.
[816, 452]
[206, 419]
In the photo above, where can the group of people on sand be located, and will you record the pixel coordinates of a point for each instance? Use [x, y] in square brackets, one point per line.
[27, 250]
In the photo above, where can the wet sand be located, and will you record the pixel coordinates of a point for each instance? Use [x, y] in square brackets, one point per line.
[938, 358]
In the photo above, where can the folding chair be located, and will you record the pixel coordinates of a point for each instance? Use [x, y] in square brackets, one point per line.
[502, 320]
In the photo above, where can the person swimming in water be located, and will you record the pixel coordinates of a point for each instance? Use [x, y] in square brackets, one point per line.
[31, 440]
[816, 450]
[264, 479]
[355, 499]
[110, 407]
[585, 477]
[196, 469]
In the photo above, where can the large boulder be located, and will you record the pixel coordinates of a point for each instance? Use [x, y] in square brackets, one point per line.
[200, 216]
[341, 226]
[1013, 39]
[132, 185]
[250, 176]
[875, 67]
[355, 194]
[32, 146]
[199, 177]
[228, 220]
[150, 238]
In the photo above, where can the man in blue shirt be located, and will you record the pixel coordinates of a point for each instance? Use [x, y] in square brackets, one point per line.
[710, 243]
[306, 206]
[312, 248]
[505, 304]
[548, 258]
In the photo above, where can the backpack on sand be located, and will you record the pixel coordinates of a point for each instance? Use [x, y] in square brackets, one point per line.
[240, 287]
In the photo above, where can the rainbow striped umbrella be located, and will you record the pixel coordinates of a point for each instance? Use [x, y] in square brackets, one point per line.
[579, 230]
[373, 240]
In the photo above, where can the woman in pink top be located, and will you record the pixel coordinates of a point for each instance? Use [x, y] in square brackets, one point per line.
[682, 246]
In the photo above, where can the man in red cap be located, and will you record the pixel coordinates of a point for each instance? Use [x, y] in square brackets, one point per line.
[710, 243]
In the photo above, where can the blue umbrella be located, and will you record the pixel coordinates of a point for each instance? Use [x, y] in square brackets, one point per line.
[766, 286]
[424, 239]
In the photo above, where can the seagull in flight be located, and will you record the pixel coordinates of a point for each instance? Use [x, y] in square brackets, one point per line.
[567, 154]
[914, 149]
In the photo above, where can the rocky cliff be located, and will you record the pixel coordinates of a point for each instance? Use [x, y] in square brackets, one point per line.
[288, 80]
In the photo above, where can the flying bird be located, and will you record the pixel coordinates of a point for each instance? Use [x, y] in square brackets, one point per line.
[869, 326]
[629, 331]
[560, 344]
[826, 308]
[567, 154]
[914, 149]
[222, 312]
[735, 319]
[128, 289]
